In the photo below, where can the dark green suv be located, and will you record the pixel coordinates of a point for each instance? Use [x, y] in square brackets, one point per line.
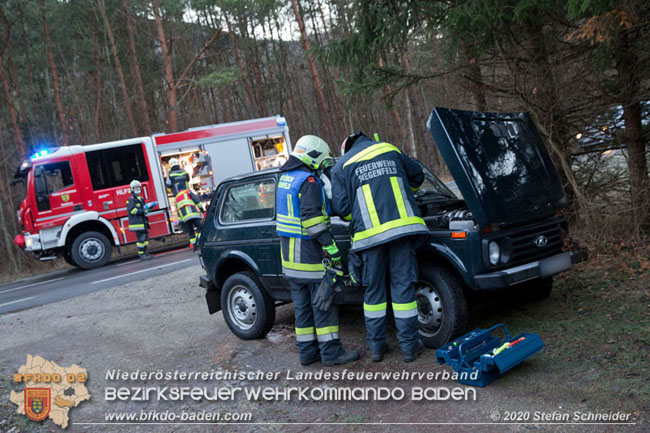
[507, 231]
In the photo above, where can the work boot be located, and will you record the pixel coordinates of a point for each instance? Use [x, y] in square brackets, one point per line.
[378, 355]
[310, 359]
[346, 357]
[144, 256]
[412, 356]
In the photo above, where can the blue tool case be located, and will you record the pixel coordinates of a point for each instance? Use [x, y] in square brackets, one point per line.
[479, 357]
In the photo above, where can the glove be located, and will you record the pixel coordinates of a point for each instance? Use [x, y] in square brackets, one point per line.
[355, 267]
[330, 289]
[332, 252]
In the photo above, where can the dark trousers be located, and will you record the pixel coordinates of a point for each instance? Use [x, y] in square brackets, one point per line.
[315, 329]
[393, 265]
[192, 228]
[142, 237]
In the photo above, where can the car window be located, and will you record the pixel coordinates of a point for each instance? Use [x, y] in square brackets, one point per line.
[249, 201]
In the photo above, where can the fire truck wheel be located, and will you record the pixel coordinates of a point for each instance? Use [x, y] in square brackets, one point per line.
[90, 250]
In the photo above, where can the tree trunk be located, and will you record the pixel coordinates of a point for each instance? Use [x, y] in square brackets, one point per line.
[475, 78]
[172, 122]
[144, 109]
[7, 88]
[627, 66]
[118, 67]
[242, 69]
[314, 73]
[54, 75]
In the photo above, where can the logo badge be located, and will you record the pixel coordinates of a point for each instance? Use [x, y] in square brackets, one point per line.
[541, 241]
[65, 197]
[37, 403]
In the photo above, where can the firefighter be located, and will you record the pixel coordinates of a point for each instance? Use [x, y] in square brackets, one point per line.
[138, 223]
[372, 186]
[303, 224]
[188, 205]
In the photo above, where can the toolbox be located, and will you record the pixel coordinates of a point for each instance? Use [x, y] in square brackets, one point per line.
[486, 355]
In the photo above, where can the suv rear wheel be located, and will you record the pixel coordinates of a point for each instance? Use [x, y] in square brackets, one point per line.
[442, 307]
[249, 312]
[90, 250]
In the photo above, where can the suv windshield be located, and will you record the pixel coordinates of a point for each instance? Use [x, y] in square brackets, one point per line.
[433, 185]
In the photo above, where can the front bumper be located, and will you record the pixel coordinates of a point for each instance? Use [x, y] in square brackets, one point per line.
[543, 268]
[33, 243]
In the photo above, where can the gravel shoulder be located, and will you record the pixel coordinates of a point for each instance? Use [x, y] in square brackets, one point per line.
[162, 323]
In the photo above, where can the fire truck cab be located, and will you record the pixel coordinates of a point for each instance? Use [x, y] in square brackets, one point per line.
[75, 204]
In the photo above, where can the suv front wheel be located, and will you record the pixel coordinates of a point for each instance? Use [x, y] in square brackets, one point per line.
[249, 312]
[442, 307]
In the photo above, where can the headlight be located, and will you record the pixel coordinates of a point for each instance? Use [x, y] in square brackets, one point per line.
[494, 252]
[28, 242]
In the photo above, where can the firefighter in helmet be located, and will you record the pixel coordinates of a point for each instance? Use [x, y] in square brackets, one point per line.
[373, 186]
[188, 205]
[303, 224]
[138, 223]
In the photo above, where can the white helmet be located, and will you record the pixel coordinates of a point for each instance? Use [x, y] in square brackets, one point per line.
[312, 151]
[135, 184]
[173, 162]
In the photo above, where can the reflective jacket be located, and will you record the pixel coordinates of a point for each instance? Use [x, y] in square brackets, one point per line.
[187, 206]
[303, 214]
[135, 208]
[372, 185]
[178, 180]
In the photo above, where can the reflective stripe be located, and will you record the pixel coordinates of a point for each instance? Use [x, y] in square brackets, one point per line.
[298, 249]
[405, 307]
[146, 243]
[348, 217]
[290, 205]
[310, 267]
[327, 330]
[386, 231]
[394, 224]
[292, 250]
[134, 210]
[304, 275]
[374, 311]
[363, 209]
[136, 227]
[406, 202]
[176, 174]
[414, 189]
[316, 230]
[303, 338]
[327, 337]
[371, 152]
[289, 220]
[140, 252]
[399, 197]
[304, 331]
[327, 333]
[140, 244]
[315, 220]
[370, 203]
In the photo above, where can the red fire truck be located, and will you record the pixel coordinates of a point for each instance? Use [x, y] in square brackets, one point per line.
[75, 203]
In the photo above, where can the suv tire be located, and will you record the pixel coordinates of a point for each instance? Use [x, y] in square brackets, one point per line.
[90, 250]
[249, 312]
[442, 306]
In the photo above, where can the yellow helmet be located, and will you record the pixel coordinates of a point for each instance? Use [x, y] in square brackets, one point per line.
[313, 151]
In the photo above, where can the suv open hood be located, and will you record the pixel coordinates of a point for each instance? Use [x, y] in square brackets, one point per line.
[499, 163]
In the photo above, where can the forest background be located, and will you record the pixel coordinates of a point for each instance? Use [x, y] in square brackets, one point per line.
[89, 71]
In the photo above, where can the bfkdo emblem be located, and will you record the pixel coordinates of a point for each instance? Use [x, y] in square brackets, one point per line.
[37, 403]
[65, 197]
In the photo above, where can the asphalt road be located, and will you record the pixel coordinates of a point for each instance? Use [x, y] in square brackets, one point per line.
[68, 283]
